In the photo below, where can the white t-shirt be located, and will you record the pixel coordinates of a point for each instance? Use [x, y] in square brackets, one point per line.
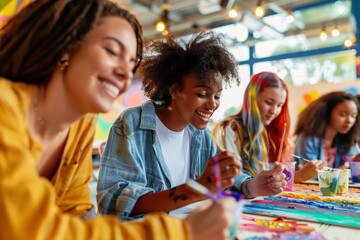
[175, 148]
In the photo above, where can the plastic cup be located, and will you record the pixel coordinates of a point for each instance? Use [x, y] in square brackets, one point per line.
[355, 171]
[343, 183]
[289, 171]
[328, 181]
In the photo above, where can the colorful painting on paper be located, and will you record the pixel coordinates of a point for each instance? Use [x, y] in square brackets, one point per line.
[9, 8]
[307, 204]
[252, 228]
[133, 97]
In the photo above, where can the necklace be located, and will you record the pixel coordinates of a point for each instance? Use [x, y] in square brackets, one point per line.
[39, 119]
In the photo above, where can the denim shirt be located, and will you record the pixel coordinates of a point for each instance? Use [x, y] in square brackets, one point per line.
[133, 165]
[312, 148]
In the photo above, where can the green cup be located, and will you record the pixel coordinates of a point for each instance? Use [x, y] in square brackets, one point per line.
[328, 181]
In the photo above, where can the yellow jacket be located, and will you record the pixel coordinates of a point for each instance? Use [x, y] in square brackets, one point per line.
[74, 173]
[31, 207]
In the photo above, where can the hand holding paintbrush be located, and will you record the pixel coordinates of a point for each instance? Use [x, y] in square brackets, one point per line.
[356, 158]
[309, 170]
[220, 170]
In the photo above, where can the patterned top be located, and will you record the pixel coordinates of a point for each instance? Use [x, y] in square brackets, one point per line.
[329, 155]
[312, 148]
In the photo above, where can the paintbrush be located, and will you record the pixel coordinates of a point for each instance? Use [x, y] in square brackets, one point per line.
[282, 143]
[357, 146]
[301, 158]
[200, 189]
[217, 176]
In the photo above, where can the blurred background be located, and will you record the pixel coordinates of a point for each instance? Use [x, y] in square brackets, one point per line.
[312, 44]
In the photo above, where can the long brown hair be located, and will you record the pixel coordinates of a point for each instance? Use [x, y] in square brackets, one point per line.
[317, 116]
[36, 38]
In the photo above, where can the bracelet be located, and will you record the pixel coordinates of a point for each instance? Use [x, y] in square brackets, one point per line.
[247, 193]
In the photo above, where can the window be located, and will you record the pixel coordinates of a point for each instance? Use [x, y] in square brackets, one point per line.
[232, 97]
[331, 67]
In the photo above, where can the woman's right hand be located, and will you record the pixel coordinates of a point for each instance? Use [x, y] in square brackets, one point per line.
[308, 171]
[356, 158]
[229, 165]
[212, 221]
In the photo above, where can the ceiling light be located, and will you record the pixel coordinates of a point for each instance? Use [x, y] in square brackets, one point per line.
[323, 34]
[290, 18]
[259, 10]
[160, 26]
[335, 32]
[348, 43]
[233, 13]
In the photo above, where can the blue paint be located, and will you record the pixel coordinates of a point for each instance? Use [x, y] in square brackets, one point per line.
[324, 212]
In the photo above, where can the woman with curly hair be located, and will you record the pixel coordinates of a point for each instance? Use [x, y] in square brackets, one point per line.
[327, 129]
[153, 149]
[255, 133]
[62, 61]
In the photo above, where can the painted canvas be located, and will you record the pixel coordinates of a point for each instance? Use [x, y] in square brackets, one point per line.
[306, 203]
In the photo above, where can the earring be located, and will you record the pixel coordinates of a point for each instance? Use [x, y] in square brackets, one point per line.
[63, 64]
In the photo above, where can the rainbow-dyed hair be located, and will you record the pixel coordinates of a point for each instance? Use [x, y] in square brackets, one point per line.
[261, 144]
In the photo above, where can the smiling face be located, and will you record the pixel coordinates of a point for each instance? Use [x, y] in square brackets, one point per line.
[101, 68]
[270, 101]
[197, 101]
[343, 117]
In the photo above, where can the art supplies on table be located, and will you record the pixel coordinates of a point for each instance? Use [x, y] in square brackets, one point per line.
[328, 181]
[306, 203]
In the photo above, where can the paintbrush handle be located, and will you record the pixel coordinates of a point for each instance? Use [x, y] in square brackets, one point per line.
[216, 142]
[197, 187]
[217, 176]
[281, 144]
[301, 158]
[357, 147]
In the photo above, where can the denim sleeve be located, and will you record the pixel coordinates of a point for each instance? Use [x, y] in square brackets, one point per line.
[240, 179]
[307, 148]
[352, 152]
[122, 177]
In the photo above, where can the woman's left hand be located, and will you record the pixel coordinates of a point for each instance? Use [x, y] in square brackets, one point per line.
[268, 182]
[356, 158]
